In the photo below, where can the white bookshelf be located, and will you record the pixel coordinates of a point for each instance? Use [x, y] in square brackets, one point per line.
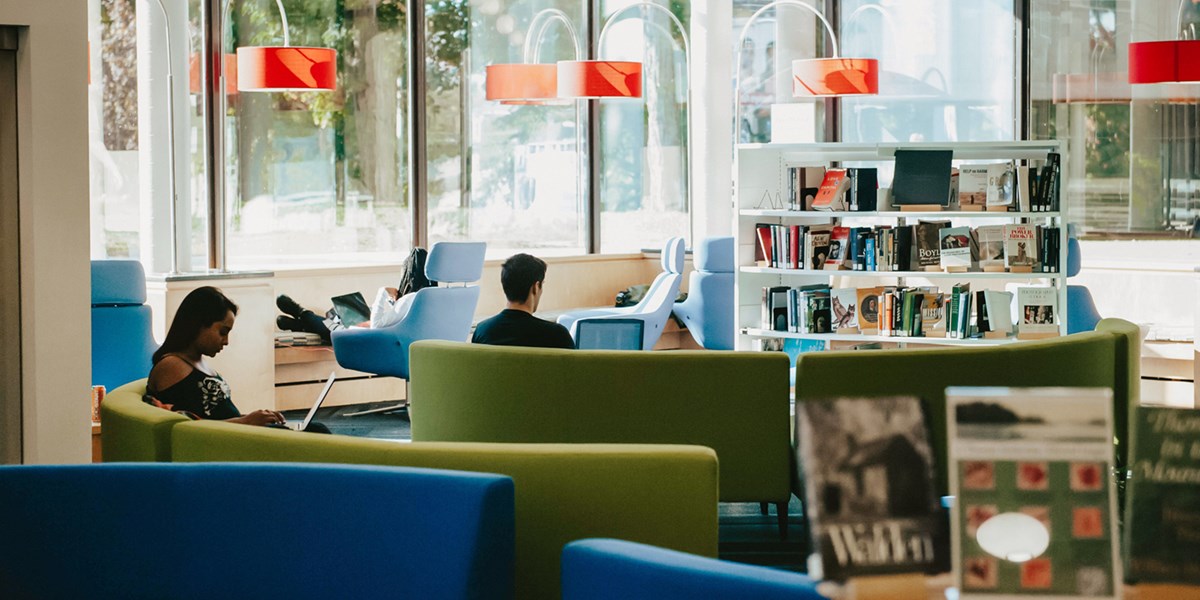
[761, 183]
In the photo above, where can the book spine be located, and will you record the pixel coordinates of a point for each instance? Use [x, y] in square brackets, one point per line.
[795, 237]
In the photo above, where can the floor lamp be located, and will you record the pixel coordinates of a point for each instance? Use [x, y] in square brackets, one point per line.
[172, 213]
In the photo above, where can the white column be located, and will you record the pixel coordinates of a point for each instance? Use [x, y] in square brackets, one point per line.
[153, 138]
[711, 78]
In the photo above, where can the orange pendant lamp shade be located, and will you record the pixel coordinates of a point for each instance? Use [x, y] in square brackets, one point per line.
[286, 68]
[599, 79]
[231, 79]
[835, 77]
[521, 83]
[1176, 61]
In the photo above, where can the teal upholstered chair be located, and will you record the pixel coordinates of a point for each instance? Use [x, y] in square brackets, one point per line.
[708, 310]
[122, 343]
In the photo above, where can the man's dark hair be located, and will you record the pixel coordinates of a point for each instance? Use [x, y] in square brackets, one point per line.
[519, 273]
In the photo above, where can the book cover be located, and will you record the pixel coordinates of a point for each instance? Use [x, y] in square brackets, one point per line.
[843, 302]
[933, 315]
[972, 185]
[816, 245]
[990, 242]
[864, 188]
[955, 248]
[922, 177]
[929, 243]
[779, 308]
[831, 195]
[867, 472]
[1162, 497]
[1037, 310]
[762, 250]
[999, 310]
[1002, 184]
[1020, 245]
[839, 248]
[868, 310]
[1035, 502]
[818, 311]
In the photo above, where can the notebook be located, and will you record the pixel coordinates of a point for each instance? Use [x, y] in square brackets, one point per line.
[302, 425]
[351, 308]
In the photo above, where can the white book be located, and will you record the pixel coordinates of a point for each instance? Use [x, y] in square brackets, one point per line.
[1037, 310]
[1001, 184]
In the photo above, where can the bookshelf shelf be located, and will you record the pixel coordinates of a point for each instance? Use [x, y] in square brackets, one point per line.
[764, 178]
[853, 337]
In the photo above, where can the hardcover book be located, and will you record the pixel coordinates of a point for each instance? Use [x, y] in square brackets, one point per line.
[816, 245]
[832, 194]
[929, 243]
[1162, 497]
[955, 251]
[1037, 310]
[839, 248]
[867, 469]
[868, 310]
[1002, 184]
[922, 177]
[1020, 245]
[843, 303]
[990, 242]
[972, 186]
[998, 306]
[1035, 502]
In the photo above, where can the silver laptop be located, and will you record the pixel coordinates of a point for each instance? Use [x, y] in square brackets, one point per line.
[302, 425]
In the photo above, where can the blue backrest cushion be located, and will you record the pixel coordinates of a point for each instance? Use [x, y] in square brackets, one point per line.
[122, 345]
[714, 255]
[118, 282]
[455, 262]
[253, 531]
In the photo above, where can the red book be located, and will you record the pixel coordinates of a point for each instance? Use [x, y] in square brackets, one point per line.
[832, 192]
[762, 253]
[797, 241]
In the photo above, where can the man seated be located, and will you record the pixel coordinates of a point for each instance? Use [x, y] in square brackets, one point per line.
[522, 276]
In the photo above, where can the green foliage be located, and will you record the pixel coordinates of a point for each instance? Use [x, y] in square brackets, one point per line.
[1107, 140]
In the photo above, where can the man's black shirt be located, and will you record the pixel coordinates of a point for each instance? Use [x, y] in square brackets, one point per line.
[519, 328]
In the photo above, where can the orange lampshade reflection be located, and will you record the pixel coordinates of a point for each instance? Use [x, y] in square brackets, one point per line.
[521, 83]
[835, 77]
[195, 66]
[286, 68]
[1176, 61]
[599, 79]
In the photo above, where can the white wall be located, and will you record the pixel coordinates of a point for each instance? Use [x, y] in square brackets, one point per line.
[55, 272]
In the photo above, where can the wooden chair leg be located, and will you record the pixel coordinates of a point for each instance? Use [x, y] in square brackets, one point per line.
[781, 510]
[762, 508]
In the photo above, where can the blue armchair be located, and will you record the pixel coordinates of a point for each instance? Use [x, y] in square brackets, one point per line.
[444, 312]
[708, 310]
[1081, 308]
[600, 569]
[121, 340]
[655, 307]
[253, 530]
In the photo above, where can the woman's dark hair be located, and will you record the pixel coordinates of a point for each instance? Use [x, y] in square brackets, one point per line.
[201, 308]
[413, 278]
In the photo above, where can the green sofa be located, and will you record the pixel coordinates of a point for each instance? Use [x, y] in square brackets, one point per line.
[733, 402]
[132, 430]
[1108, 357]
[660, 495]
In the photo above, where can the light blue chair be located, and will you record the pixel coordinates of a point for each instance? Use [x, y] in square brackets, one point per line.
[655, 307]
[444, 312]
[1081, 308]
[708, 311]
[603, 569]
[122, 342]
[253, 530]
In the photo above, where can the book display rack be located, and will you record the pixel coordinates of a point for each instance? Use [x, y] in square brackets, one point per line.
[897, 263]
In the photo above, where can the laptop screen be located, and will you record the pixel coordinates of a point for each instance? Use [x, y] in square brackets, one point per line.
[609, 334]
[320, 398]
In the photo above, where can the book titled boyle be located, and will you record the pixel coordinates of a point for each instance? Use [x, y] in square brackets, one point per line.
[867, 469]
[1162, 503]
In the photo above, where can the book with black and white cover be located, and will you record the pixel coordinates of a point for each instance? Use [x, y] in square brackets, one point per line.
[1035, 506]
[779, 308]
[839, 248]
[817, 313]
[929, 243]
[816, 245]
[972, 186]
[843, 309]
[867, 469]
[1002, 184]
[990, 243]
[1037, 310]
[1020, 246]
[955, 248]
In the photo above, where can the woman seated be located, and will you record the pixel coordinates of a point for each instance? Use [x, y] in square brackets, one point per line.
[182, 380]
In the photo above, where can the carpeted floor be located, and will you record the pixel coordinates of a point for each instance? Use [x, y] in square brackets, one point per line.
[745, 535]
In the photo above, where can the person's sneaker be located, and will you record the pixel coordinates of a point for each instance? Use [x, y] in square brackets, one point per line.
[288, 306]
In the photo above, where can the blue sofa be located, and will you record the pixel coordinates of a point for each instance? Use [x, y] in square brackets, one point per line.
[253, 530]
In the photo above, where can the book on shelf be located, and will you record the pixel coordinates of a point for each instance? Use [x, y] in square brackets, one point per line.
[1001, 184]
[1035, 500]
[989, 239]
[1025, 187]
[1037, 311]
[844, 317]
[863, 188]
[839, 248]
[902, 248]
[1162, 497]
[929, 243]
[803, 183]
[867, 469]
[816, 245]
[817, 313]
[972, 186]
[762, 249]
[1020, 246]
[933, 314]
[1045, 195]
[958, 318]
[955, 248]
[832, 193]
[868, 310]
[921, 177]
[779, 307]
[1049, 249]
[998, 306]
